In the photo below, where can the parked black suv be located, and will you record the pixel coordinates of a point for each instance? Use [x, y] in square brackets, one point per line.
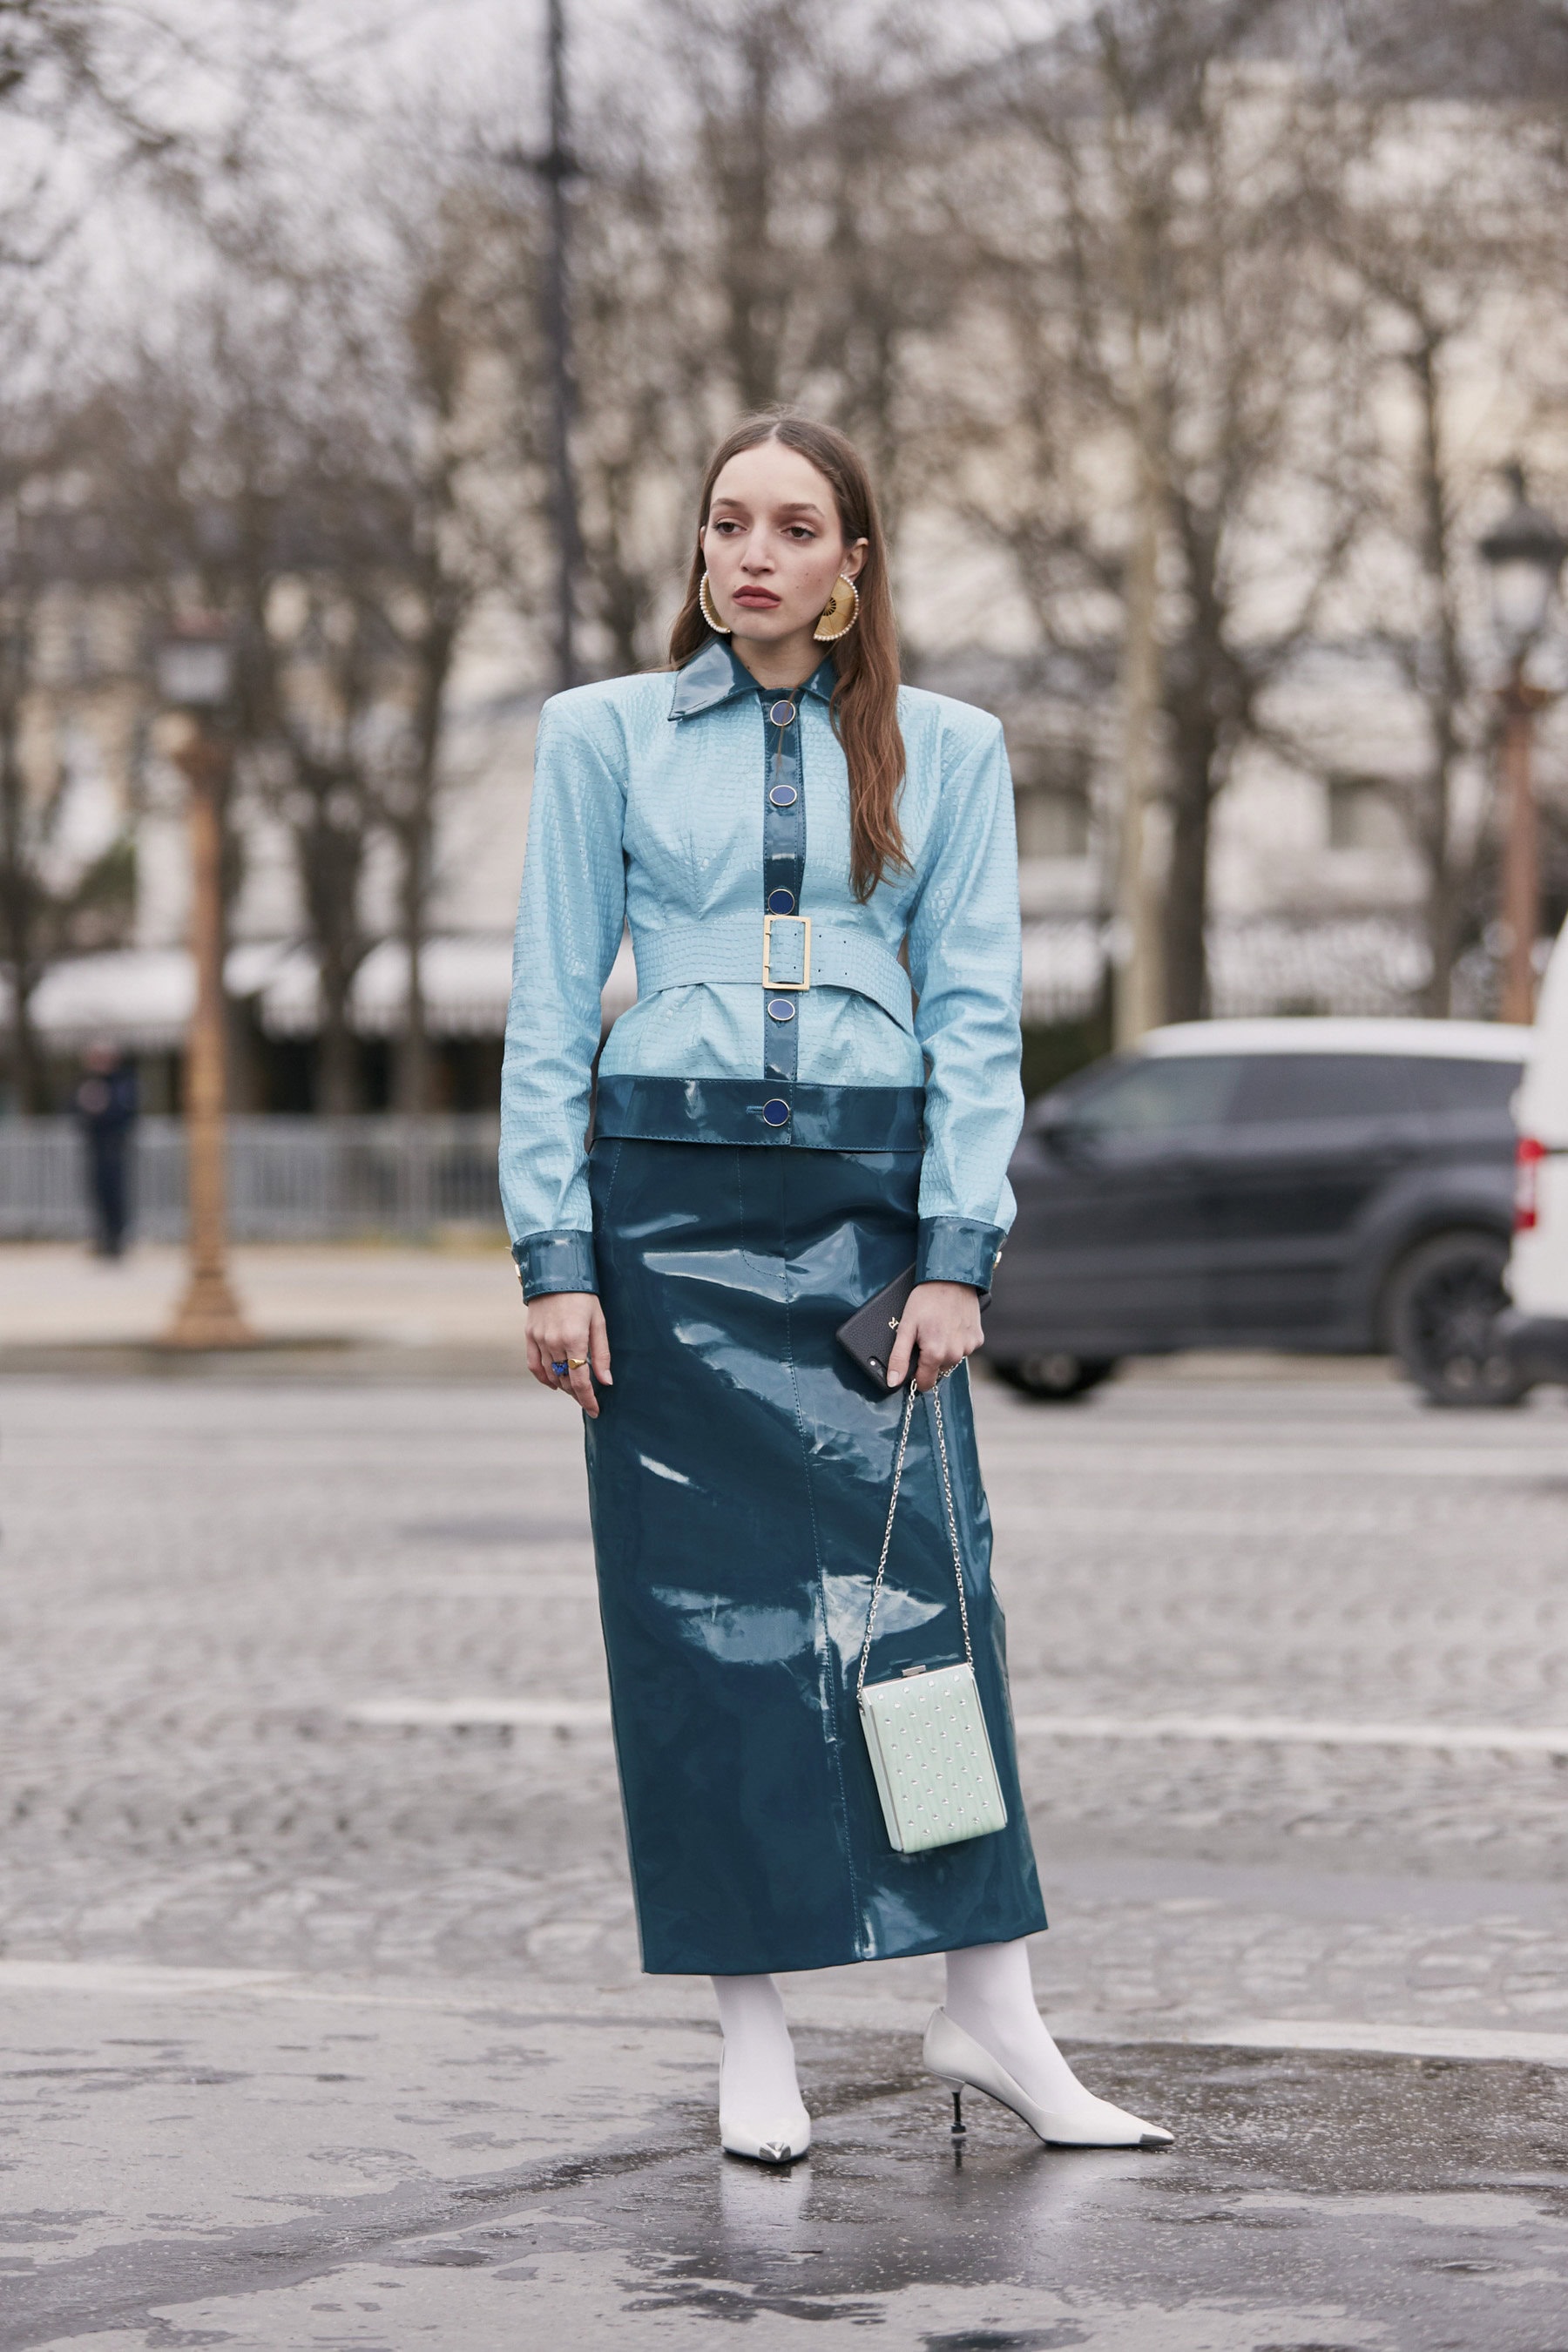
[1328, 1184]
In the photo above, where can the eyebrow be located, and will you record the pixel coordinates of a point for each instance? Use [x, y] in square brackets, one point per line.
[793, 507]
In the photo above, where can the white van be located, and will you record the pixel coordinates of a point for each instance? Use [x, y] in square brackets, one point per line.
[1534, 1331]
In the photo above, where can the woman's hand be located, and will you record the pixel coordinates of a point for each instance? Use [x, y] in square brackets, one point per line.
[942, 1321]
[567, 1326]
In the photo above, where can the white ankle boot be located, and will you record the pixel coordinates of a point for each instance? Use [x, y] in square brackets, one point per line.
[773, 2139]
[958, 2059]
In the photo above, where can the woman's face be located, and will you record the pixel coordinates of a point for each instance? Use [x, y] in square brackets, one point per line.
[773, 544]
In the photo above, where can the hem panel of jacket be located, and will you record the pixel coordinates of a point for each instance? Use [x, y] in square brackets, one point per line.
[761, 1111]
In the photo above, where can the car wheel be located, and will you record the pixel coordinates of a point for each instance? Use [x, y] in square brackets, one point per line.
[1443, 1306]
[1056, 1377]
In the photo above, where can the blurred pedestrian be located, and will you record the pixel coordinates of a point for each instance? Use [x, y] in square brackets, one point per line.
[106, 1105]
[782, 1124]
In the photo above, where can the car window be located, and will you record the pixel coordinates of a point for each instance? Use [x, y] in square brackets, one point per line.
[1456, 1085]
[1276, 1087]
[1147, 1096]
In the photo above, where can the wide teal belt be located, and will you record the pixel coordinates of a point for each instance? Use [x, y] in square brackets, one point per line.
[756, 1111]
[788, 952]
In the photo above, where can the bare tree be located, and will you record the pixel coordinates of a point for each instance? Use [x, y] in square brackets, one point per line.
[1166, 348]
[96, 101]
[54, 899]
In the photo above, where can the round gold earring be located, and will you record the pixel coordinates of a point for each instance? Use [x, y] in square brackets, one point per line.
[709, 615]
[840, 613]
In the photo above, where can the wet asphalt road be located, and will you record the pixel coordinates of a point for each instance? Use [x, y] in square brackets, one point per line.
[319, 2031]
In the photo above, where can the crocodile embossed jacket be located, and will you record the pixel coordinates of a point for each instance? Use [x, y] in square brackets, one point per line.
[712, 817]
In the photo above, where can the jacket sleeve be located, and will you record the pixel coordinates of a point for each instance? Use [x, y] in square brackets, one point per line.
[569, 924]
[965, 964]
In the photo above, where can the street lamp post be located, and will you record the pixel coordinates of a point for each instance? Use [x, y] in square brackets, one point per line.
[558, 168]
[195, 668]
[1524, 555]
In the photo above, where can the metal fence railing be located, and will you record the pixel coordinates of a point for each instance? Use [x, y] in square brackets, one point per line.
[288, 1179]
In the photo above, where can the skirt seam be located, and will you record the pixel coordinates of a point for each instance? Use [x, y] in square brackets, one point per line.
[620, 1143]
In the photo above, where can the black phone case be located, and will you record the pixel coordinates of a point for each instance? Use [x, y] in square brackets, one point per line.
[869, 1334]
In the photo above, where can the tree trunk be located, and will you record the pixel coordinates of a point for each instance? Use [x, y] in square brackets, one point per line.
[1205, 709]
[26, 1057]
[1444, 696]
[416, 830]
[18, 946]
[338, 954]
[1138, 992]
[1440, 910]
[1186, 888]
[337, 1074]
[414, 1050]
[1194, 698]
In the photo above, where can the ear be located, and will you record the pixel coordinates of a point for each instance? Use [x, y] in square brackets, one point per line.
[853, 558]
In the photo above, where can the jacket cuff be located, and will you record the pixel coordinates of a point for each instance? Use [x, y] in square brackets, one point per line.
[957, 1249]
[560, 1261]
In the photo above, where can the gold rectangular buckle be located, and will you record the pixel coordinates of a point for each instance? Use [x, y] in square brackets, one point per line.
[768, 922]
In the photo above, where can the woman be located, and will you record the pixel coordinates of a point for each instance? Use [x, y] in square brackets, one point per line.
[779, 1128]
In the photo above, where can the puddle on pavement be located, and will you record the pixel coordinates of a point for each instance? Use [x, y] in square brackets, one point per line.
[1341, 2202]
[1310, 2180]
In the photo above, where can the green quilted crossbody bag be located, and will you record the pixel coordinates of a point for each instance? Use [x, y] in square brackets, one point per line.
[926, 1733]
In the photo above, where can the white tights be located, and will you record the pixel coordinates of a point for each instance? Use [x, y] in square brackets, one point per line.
[988, 1993]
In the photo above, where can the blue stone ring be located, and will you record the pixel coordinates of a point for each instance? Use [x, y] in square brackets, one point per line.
[560, 1370]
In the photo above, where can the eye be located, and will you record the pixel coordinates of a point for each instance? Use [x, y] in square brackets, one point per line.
[727, 526]
[800, 531]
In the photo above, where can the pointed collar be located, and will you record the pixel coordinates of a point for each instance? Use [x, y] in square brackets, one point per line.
[717, 673]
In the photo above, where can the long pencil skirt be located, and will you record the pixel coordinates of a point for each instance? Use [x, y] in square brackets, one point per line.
[738, 1475]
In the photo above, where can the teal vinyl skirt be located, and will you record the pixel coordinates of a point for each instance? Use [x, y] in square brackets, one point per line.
[738, 1475]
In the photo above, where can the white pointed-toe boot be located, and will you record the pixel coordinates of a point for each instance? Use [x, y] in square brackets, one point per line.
[958, 2060]
[776, 2139]
[760, 2114]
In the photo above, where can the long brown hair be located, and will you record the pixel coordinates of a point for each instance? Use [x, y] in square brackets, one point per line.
[865, 705]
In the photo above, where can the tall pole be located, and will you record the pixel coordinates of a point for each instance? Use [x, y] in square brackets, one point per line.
[558, 167]
[208, 1316]
[1521, 848]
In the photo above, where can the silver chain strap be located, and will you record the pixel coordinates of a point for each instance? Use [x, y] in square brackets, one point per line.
[887, 1531]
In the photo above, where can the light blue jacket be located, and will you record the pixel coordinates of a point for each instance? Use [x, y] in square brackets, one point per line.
[646, 812]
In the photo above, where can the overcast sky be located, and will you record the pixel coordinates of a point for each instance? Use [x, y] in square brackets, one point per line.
[302, 91]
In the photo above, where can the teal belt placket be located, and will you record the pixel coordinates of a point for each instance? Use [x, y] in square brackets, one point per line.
[784, 875]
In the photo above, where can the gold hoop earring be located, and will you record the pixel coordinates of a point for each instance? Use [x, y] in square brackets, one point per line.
[840, 613]
[709, 615]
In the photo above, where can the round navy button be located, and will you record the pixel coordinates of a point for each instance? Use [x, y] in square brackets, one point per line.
[783, 794]
[780, 1009]
[782, 714]
[774, 1113]
[781, 902]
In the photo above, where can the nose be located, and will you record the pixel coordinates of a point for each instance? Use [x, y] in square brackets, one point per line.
[758, 556]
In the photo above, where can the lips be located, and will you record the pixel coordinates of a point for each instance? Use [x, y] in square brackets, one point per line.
[761, 599]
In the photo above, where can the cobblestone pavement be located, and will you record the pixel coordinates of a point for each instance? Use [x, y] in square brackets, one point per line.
[198, 1578]
[201, 1579]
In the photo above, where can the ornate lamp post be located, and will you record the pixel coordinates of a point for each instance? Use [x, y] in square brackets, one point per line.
[195, 676]
[1524, 555]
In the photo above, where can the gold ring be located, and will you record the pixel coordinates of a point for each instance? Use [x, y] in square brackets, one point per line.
[575, 1363]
